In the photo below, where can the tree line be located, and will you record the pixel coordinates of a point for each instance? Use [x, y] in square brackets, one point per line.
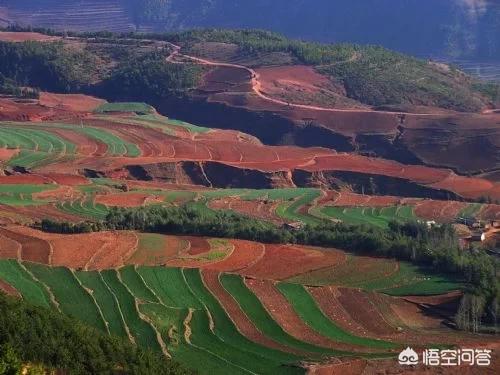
[46, 340]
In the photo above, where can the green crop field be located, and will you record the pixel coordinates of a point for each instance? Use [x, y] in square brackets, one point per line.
[268, 360]
[115, 145]
[135, 284]
[380, 217]
[72, 298]
[106, 300]
[305, 306]
[13, 273]
[21, 195]
[140, 108]
[142, 332]
[86, 209]
[170, 286]
[292, 211]
[471, 210]
[37, 147]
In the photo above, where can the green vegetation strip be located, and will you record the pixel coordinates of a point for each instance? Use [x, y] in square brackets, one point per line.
[170, 286]
[254, 309]
[72, 298]
[142, 332]
[13, 273]
[105, 300]
[254, 357]
[141, 108]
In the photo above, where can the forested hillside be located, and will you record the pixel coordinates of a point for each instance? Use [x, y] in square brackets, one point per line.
[452, 28]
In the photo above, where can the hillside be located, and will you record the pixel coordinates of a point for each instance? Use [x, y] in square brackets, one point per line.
[282, 224]
[455, 28]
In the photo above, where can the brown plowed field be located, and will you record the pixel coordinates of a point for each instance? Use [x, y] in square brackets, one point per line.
[440, 211]
[284, 261]
[127, 200]
[33, 249]
[9, 248]
[198, 246]
[363, 311]
[490, 212]
[148, 256]
[236, 314]
[244, 254]
[284, 314]
[23, 179]
[6, 36]
[7, 154]
[327, 300]
[70, 102]
[67, 180]
[75, 251]
[114, 253]
[265, 210]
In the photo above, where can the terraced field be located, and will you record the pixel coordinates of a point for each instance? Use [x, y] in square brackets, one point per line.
[220, 322]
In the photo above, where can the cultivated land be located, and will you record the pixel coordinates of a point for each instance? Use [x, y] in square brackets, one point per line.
[224, 305]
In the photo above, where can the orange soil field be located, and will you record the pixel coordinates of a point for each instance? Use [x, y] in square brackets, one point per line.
[70, 102]
[265, 210]
[284, 261]
[9, 249]
[6, 36]
[7, 154]
[127, 200]
[245, 254]
[198, 246]
[173, 246]
[441, 211]
[79, 251]
[284, 314]
[32, 249]
[238, 316]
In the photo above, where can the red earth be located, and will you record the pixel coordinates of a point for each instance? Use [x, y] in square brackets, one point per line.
[6, 36]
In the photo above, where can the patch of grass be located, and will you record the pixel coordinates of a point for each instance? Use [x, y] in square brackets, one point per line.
[32, 291]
